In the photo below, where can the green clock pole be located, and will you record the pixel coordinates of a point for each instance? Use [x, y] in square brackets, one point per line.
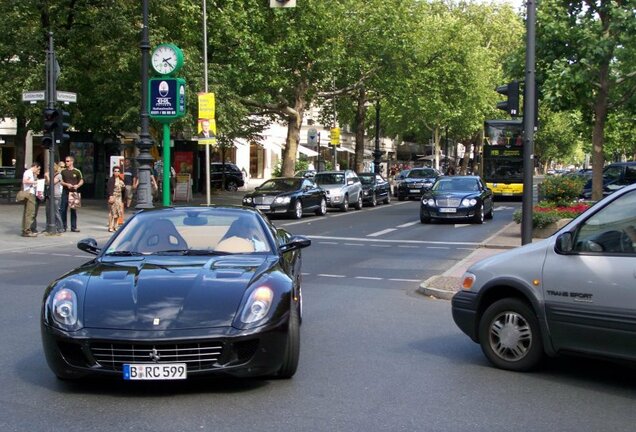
[166, 164]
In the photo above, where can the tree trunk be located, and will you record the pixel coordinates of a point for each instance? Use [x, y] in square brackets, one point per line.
[600, 117]
[436, 147]
[294, 124]
[20, 146]
[360, 127]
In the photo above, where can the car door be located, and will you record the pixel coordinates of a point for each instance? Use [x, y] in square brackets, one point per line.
[590, 292]
[380, 187]
[311, 194]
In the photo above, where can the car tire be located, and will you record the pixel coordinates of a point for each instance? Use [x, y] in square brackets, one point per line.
[479, 215]
[374, 200]
[298, 210]
[513, 320]
[322, 208]
[292, 347]
[231, 186]
[490, 215]
[387, 200]
[345, 204]
[358, 205]
[424, 219]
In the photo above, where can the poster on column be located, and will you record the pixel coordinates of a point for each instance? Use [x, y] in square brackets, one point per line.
[183, 162]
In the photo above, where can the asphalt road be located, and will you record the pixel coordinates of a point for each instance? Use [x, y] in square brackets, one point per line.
[375, 356]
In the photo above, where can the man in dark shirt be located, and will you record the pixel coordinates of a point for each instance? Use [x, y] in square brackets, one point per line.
[129, 180]
[72, 180]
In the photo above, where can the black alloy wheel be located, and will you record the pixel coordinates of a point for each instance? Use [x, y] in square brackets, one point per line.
[322, 208]
[345, 204]
[292, 347]
[231, 186]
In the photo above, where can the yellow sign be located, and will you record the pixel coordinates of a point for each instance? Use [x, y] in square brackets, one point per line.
[335, 136]
[206, 126]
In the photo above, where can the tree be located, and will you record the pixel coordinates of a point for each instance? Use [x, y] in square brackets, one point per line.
[587, 51]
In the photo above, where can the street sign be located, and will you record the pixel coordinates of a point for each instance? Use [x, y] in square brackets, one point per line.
[166, 99]
[335, 136]
[66, 97]
[312, 136]
[33, 96]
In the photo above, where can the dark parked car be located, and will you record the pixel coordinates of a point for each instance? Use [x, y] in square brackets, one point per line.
[416, 182]
[615, 176]
[292, 196]
[305, 173]
[374, 189]
[397, 178]
[457, 197]
[233, 176]
[177, 293]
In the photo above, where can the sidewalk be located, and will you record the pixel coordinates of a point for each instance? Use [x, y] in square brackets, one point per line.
[92, 220]
[445, 285]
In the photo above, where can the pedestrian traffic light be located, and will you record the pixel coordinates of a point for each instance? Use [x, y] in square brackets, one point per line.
[61, 133]
[511, 91]
[50, 119]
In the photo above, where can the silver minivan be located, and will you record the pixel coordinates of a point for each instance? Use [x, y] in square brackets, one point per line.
[573, 292]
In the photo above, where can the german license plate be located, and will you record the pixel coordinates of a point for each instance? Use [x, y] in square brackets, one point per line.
[414, 190]
[163, 371]
[506, 193]
[448, 210]
[262, 207]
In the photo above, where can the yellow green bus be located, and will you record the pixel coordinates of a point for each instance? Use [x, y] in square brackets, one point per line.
[502, 167]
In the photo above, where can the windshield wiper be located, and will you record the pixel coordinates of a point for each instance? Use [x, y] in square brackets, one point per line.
[123, 253]
[189, 252]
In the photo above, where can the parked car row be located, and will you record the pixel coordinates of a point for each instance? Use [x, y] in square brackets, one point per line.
[295, 196]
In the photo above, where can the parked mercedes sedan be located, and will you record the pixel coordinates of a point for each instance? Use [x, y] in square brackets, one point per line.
[291, 196]
[177, 293]
[343, 188]
[457, 197]
[416, 182]
[374, 189]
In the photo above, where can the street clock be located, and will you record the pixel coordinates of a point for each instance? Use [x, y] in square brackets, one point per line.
[167, 59]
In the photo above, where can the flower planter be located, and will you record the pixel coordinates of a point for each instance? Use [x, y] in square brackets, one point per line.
[549, 229]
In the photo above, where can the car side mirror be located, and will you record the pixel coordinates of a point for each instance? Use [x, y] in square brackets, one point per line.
[89, 245]
[564, 243]
[294, 243]
[350, 182]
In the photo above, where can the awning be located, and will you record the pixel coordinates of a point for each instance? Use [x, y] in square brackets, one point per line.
[344, 149]
[368, 152]
[307, 151]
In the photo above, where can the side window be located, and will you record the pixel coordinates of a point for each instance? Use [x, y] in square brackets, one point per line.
[630, 174]
[611, 230]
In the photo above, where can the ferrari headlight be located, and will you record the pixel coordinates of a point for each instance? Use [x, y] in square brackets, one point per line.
[257, 305]
[469, 202]
[64, 307]
[282, 200]
[247, 200]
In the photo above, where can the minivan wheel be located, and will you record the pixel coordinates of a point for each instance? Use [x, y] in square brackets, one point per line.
[509, 335]
[358, 205]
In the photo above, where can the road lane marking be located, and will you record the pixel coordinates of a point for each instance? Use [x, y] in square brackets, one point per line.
[408, 224]
[379, 233]
[354, 244]
[404, 280]
[368, 278]
[408, 246]
[387, 241]
[437, 247]
[330, 275]
[333, 214]
[381, 246]
[331, 243]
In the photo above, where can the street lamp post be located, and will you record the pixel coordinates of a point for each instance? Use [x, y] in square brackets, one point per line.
[377, 154]
[144, 191]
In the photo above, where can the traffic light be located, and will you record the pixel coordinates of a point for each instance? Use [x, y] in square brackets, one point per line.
[511, 105]
[50, 119]
[61, 132]
[47, 141]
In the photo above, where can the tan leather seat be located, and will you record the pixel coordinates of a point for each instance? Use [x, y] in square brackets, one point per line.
[235, 245]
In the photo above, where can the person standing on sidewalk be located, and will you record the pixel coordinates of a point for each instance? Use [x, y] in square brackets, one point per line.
[130, 173]
[72, 180]
[116, 190]
[57, 197]
[29, 186]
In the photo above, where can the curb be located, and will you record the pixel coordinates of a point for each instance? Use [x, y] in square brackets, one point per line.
[439, 286]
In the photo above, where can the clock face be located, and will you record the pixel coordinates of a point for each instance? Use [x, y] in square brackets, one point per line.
[166, 59]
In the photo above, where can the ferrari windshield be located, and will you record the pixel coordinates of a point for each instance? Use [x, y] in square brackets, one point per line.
[192, 231]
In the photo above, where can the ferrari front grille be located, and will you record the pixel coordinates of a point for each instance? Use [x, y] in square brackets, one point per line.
[197, 356]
